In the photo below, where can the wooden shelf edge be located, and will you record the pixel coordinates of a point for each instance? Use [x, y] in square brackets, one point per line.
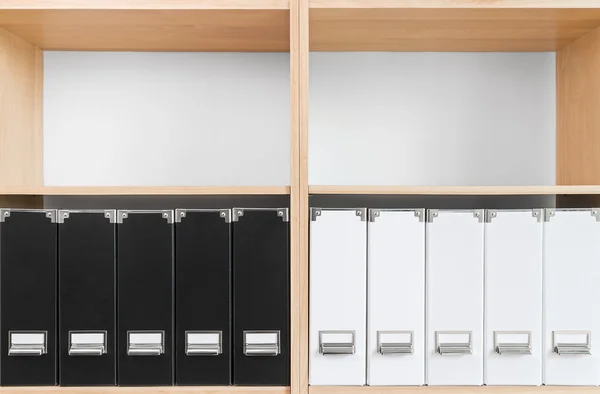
[453, 4]
[148, 390]
[455, 190]
[145, 5]
[143, 190]
[451, 389]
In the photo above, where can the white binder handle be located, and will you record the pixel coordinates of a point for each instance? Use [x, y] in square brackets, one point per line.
[572, 342]
[337, 342]
[454, 343]
[395, 342]
[512, 343]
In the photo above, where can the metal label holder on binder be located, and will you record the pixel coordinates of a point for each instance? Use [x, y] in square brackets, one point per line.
[453, 348]
[261, 343]
[395, 347]
[27, 343]
[512, 348]
[336, 346]
[572, 348]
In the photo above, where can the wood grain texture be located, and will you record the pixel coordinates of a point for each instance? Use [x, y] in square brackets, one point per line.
[145, 390]
[486, 4]
[244, 30]
[143, 190]
[303, 272]
[143, 4]
[578, 112]
[20, 112]
[448, 29]
[455, 190]
[453, 390]
[295, 216]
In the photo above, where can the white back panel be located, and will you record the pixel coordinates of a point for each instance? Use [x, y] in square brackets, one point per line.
[402, 118]
[571, 294]
[166, 119]
[513, 288]
[455, 295]
[396, 300]
[338, 269]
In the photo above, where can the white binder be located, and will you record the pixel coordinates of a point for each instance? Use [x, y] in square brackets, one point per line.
[396, 298]
[572, 297]
[513, 297]
[454, 297]
[338, 268]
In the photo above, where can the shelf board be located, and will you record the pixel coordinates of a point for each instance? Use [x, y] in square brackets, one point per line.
[142, 4]
[435, 4]
[147, 390]
[150, 25]
[143, 190]
[449, 25]
[455, 190]
[452, 390]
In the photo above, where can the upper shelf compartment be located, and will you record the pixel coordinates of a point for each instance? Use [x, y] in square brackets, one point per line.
[449, 25]
[150, 25]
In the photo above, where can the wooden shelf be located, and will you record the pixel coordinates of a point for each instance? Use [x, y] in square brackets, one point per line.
[147, 390]
[455, 190]
[452, 390]
[143, 190]
[147, 25]
[449, 25]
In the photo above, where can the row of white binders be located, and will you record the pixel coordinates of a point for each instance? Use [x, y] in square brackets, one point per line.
[455, 297]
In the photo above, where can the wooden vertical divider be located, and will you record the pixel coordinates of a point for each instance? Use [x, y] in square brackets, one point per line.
[304, 194]
[578, 111]
[299, 194]
[295, 325]
[20, 112]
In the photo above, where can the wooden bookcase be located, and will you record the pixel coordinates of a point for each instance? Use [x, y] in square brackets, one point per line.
[569, 27]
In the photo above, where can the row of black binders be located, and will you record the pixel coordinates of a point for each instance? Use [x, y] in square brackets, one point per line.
[144, 298]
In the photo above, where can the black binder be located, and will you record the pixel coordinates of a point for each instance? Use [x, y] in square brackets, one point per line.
[203, 297]
[87, 297]
[145, 297]
[28, 252]
[261, 304]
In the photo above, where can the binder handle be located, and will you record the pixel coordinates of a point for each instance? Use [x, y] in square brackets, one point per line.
[87, 343]
[262, 343]
[452, 343]
[145, 343]
[27, 343]
[512, 343]
[337, 342]
[203, 343]
[395, 342]
[565, 343]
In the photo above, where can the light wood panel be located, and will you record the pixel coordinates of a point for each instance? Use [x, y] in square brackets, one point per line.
[453, 390]
[362, 26]
[20, 112]
[145, 390]
[177, 29]
[455, 190]
[485, 4]
[303, 277]
[143, 4]
[143, 190]
[578, 112]
[296, 324]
